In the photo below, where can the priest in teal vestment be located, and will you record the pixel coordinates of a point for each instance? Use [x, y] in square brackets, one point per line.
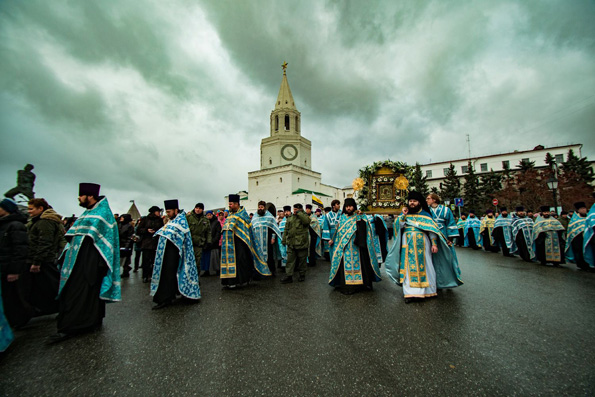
[90, 274]
[420, 259]
[548, 235]
[589, 238]
[354, 265]
[239, 259]
[576, 250]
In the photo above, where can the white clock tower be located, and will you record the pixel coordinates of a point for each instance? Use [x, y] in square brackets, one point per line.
[285, 176]
[285, 145]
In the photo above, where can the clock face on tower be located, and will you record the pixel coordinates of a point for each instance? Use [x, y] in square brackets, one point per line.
[289, 152]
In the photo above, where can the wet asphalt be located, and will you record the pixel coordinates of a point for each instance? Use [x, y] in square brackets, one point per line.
[513, 328]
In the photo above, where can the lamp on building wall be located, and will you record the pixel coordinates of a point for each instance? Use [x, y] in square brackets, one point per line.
[552, 184]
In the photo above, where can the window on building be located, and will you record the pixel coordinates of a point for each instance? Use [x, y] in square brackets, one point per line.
[464, 169]
[559, 158]
[484, 166]
[297, 124]
[256, 183]
[286, 122]
[526, 160]
[276, 123]
[445, 170]
[270, 161]
[506, 164]
[315, 183]
[429, 173]
[281, 180]
[298, 179]
[305, 162]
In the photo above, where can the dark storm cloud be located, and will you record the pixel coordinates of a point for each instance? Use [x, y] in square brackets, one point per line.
[156, 100]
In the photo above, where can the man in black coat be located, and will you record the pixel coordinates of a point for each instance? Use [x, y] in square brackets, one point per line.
[14, 244]
[146, 229]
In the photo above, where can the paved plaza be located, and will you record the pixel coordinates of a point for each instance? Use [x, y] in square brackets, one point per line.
[513, 328]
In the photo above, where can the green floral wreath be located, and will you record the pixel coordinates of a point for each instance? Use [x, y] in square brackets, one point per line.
[365, 173]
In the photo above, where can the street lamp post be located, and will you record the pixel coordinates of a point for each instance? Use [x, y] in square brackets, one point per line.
[552, 184]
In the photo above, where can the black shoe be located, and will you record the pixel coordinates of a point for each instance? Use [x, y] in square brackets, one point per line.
[58, 337]
[302, 278]
[287, 280]
[162, 305]
[145, 280]
[408, 300]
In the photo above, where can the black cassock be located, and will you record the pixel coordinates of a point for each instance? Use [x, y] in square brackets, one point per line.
[487, 243]
[522, 247]
[577, 248]
[168, 281]
[81, 308]
[244, 263]
[471, 240]
[498, 234]
[381, 232]
[540, 248]
[271, 261]
[461, 239]
[366, 264]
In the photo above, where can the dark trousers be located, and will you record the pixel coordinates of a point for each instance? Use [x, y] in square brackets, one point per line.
[137, 256]
[147, 263]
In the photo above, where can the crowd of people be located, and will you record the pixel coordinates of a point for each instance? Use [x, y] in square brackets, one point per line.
[72, 267]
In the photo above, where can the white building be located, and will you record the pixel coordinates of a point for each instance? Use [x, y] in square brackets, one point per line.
[286, 176]
[435, 172]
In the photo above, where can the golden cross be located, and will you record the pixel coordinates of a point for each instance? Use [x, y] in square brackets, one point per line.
[284, 66]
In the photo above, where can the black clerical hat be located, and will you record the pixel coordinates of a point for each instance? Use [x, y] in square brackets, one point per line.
[579, 205]
[153, 209]
[502, 209]
[200, 205]
[489, 211]
[414, 195]
[544, 208]
[520, 208]
[308, 206]
[171, 204]
[234, 198]
[350, 201]
[286, 208]
[298, 206]
[89, 189]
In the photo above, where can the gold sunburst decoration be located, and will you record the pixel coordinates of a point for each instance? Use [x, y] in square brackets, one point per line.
[401, 182]
[357, 184]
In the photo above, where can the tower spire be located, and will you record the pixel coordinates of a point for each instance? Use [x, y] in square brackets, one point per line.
[285, 99]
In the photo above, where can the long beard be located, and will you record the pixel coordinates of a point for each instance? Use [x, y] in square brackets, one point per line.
[349, 212]
[260, 212]
[414, 209]
[505, 215]
[546, 216]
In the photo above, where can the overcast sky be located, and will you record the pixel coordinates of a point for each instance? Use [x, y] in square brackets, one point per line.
[170, 99]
